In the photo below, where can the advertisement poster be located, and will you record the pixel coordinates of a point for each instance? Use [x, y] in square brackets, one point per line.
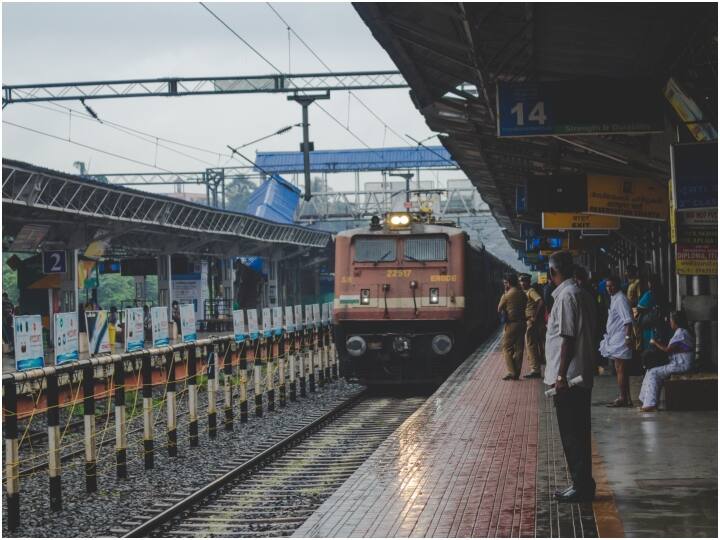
[316, 314]
[28, 342]
[97, 332]
[289, 324]
[239, 325]
[252, 320]
[134, 331]
[298, 319]
[159, 321]
[277, 320]
[187, 323]
[66, 338]
[266, 322]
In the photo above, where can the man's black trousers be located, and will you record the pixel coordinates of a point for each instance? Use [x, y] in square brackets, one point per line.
[573, 413]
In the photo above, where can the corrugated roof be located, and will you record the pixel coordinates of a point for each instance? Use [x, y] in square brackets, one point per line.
[367, 159]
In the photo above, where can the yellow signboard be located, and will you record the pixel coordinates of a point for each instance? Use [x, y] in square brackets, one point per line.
[639, 198]
[578, 221]
[696, 260]
[673, 214]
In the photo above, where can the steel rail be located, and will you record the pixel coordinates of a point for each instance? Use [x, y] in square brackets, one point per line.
[144, 529]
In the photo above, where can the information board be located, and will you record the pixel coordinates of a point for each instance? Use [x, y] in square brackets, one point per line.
[159, 322]
[28, 342]
[298, 319]
[316, 314]
[134, 330]
[54, 262]
[590, 106]
[96, 323]
[277, 320]
[289, 325]
[188, 330]
[266, 322]
[578, 221]
[239, 325]
[639, 198]
[252, 321]
[694, 168]
[66, 334]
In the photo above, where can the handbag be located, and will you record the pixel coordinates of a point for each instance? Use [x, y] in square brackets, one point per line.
[653, 358]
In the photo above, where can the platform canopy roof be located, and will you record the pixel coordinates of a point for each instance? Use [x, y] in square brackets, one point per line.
[365, 159]
[442, 49]
[48, 209]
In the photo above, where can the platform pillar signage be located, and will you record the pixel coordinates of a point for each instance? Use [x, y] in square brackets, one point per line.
[252, 323]
[187, 323]
[66, 337]
[639, 198]
[96, 323]
[694, 168]
[572, 221]
[591, 106]
[159, 322]
[54, 262]
[239, 330]
[134, 329]
[28, 342]
[697, 247]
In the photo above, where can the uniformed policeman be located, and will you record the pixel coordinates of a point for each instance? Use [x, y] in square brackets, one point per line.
[535, 327]
[512, 310]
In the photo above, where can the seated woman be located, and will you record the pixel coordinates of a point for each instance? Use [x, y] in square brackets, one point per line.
[680, 352]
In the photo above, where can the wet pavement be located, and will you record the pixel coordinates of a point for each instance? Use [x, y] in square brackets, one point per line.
[661, 467]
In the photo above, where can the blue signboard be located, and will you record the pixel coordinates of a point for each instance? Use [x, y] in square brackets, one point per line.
[579, 107]
[54, 262]
[694, 169]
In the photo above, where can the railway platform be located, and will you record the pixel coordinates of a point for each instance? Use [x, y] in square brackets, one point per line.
[482, 457]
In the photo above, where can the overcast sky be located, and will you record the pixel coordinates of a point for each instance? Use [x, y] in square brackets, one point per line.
[58, 42]
[63, 42]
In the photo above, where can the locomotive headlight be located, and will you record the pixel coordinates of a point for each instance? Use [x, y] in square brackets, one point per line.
[441, 344]
[365, 297]
[434, 296]
[398, 220]
[356, 346]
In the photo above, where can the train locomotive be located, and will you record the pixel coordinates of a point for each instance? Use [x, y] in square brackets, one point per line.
[413, 298]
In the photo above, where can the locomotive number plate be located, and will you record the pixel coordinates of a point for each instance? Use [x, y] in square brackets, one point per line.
[398, 273]
[446, 278]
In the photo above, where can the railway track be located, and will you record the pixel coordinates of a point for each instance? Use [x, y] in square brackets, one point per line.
[273, 492]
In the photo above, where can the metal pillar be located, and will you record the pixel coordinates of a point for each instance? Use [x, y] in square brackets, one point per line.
[700, 285]
[306, 146]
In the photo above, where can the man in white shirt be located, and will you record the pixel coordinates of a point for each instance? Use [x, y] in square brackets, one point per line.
[617, 342]
[569, 352]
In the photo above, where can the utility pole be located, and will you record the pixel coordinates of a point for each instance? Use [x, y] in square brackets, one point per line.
[306, 146]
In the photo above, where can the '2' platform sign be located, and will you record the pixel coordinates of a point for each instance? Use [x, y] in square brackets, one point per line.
[54, 262]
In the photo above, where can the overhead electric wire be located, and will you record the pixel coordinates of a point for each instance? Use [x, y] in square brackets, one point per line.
[107, 152]
[350, 92]
[338, 122]
[136, 133]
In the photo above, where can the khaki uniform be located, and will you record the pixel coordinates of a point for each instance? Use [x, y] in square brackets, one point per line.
[513, 303]
[535, 331]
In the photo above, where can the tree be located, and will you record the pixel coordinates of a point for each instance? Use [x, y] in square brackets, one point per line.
[238, 192]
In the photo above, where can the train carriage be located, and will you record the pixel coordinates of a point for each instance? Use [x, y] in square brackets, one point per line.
[412, 298]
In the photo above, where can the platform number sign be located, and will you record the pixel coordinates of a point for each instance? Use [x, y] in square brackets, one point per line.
[54, 262]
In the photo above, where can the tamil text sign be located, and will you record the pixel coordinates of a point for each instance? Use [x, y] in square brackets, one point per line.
[639, 198]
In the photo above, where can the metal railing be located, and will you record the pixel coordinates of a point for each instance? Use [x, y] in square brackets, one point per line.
[126, 394]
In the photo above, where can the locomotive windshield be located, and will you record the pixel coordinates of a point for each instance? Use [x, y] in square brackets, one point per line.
[433, 248]
[375, 249]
